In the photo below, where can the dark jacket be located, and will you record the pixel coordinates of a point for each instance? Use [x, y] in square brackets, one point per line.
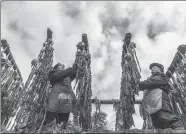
[61, 98]
[158, 80]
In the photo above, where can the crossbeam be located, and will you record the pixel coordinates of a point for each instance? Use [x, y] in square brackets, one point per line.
[137, 101]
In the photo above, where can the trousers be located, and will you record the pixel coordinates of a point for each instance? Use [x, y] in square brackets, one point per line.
[60, 117]
[165, 117]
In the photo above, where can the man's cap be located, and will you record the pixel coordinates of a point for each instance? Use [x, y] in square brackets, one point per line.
[157, 64]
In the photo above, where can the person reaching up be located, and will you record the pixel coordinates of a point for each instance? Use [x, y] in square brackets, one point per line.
[61, 100]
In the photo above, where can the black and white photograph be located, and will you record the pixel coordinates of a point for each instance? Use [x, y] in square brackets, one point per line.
[93, 67]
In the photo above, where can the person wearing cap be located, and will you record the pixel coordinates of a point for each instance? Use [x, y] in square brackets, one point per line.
[156, 101]
[61, 100]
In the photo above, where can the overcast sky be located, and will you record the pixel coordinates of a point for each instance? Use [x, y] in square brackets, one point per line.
[158, 28]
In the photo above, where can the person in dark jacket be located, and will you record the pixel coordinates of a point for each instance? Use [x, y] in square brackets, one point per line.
[165, 117]
[61, 100]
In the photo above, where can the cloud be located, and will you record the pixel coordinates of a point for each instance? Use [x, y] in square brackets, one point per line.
[157, 28]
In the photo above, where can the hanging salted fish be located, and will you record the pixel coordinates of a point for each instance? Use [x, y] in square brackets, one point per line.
[32, 107]
[129, 85]
[9, 75]
[83, 81]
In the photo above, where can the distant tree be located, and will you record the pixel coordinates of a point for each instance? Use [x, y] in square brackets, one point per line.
[99, 121]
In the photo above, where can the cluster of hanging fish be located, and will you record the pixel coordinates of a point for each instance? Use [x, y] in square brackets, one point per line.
[83, 82]
[98, 111]
[129, 85]
[147, 124]
[11, 85]
[31, 112]
[177, 74]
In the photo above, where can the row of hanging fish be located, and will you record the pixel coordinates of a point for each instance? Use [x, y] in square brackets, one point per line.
[129, 85]
[11, 85]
